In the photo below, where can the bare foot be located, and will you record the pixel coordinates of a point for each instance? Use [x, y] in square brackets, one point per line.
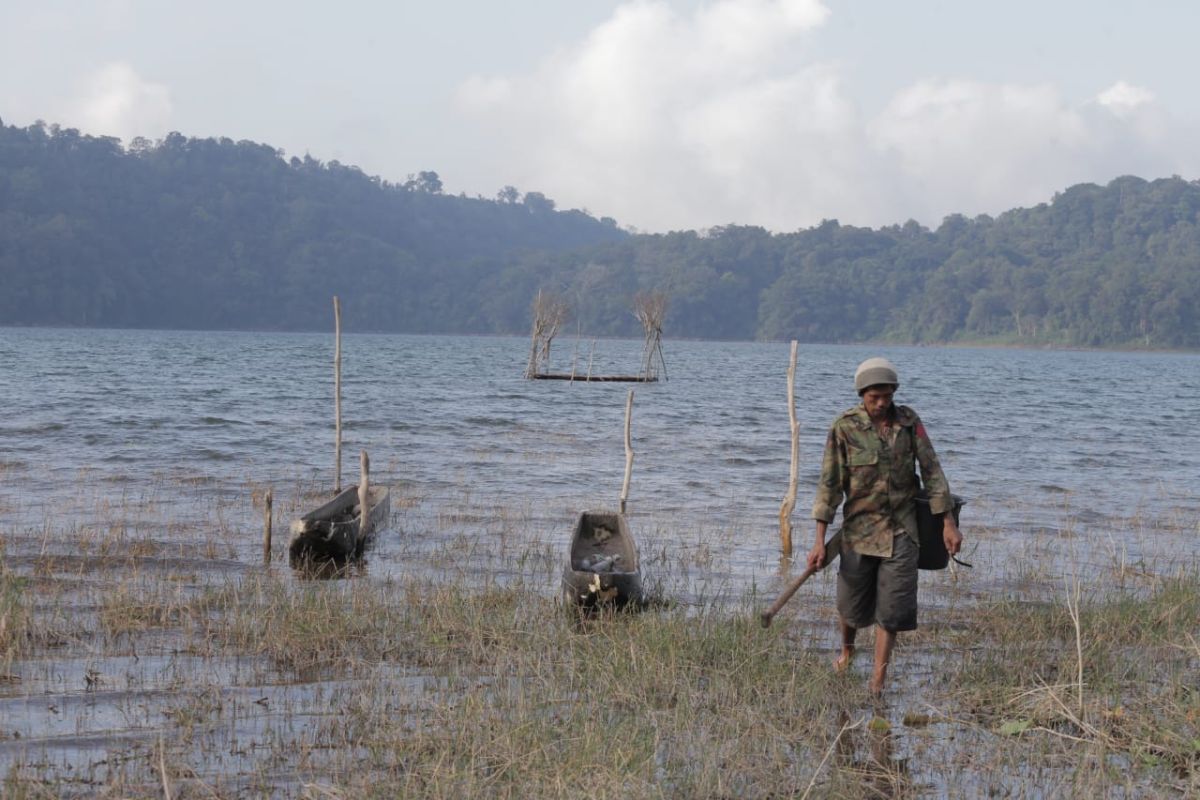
[875, 688]
[842, 662]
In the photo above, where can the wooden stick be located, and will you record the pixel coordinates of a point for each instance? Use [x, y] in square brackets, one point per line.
[162, 767]
[364, 508]
[789, 500]
[628, 451]
[337, 395]
[575, 352]
[267, 527]
[832, 551]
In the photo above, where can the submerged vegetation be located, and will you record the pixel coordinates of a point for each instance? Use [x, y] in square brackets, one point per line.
[146, 668]
[212, 233]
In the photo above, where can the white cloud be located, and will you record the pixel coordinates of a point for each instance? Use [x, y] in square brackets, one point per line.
[665, 120]
[1122, 98]
[119, 102]
[750, 29]
[983, 148]
[962, 145]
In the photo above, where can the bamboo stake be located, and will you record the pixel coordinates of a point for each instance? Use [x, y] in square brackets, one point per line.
[267, 500]
[337, 395]
[628, 451]
[364, 508]
[789, 500]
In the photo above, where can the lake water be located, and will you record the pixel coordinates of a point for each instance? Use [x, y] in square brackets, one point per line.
[1092, 447]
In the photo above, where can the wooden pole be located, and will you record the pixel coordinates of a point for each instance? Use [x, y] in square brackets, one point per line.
[364, 507]
[267, 500]
[789, 500]
[628, 451]
[575, 353]
[337, 395]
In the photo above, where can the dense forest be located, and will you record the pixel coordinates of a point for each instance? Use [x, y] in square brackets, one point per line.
[212, 233]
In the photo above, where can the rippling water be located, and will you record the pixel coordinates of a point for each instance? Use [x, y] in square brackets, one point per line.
[1039, 442]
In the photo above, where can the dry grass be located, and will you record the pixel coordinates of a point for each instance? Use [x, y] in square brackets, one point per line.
[1139, 697]
[462, 676]
[14, 618]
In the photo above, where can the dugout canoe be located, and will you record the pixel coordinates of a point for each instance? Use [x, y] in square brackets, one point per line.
[602, 563]
[333, 531]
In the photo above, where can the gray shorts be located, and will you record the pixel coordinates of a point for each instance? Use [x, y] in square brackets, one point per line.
[876, 590]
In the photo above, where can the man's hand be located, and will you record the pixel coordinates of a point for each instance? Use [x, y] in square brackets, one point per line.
[950, 535]
[816, 556]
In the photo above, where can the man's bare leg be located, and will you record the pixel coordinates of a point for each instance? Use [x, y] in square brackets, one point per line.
[884, 642]
[848, 636]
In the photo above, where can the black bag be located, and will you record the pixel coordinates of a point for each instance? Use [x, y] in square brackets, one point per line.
[929, 531]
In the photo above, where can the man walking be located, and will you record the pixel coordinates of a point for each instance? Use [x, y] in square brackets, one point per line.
[870, 461]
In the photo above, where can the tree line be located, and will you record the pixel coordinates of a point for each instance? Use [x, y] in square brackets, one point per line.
[212, 233]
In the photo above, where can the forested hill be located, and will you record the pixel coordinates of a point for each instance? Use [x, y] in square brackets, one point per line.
[207, 233]
[217, 234]
[1117, 265]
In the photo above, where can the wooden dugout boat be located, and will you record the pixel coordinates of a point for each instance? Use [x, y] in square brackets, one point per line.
[602, 563]
[334, 531]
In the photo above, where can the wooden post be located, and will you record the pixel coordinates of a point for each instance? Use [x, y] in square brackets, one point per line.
[789, 500]
[628, 451]
[267, 527]
[364, 507]
[337, 395]
[575, 352]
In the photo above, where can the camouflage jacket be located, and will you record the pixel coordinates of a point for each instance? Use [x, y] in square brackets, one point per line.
[878, 479]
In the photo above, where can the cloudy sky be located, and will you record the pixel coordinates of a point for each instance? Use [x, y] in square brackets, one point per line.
[664, 114]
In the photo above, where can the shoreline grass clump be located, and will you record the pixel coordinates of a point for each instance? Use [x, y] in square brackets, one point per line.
[1116, 675]
[14, 617]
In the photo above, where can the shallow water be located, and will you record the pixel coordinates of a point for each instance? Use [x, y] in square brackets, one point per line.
[1039, 442]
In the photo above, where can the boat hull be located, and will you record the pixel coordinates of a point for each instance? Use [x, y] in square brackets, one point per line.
[601, 536]
[333, 531]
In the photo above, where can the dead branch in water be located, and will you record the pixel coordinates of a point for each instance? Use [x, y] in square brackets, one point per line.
[651, 309]
[550, 312]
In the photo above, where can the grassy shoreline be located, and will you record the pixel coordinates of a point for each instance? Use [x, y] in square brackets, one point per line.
[131, 671]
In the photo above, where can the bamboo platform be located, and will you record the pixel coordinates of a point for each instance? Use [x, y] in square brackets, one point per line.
[567, 376]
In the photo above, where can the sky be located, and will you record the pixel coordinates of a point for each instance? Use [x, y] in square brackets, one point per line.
[663, 114]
